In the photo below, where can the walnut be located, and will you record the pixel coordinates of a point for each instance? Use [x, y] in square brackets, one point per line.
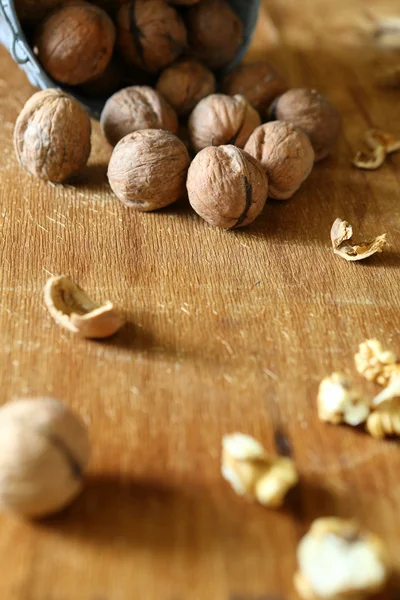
[286, 154]
[338, 560]
[258, 82]
[105, 84]
[374, 362]
[151, 34]
[227, 187]
[75, 43]
[33, 11]
[185, 83]
[52, 136]
[134, 108]
[339, 403]
[220, 119]
[215, 32]
[254, 474]
[392, 391]
[314, 114]
[72, 309]
[385, 420]
[43, 457]
[148, 169]
[342, 244]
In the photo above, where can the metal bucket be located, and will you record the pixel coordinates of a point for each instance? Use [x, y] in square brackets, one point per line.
[12, 36]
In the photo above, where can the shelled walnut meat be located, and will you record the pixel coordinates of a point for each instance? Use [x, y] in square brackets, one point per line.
[52, 136]
[227, 187]
[75, 43]
[220, 119]
[215, 32]
[151, 34]
[286, 154]
[185, 83]
[134, 108]
[258, 82]
[314, 114]
[148, 169]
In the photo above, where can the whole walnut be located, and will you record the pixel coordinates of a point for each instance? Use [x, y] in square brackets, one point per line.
[148, 169]
[314, 114]
[220, 119]
[215, 32]
[258, 82]
[75, 43]
[286, 154]
[134, 108]
[52, 136]
[44, 451]
[227, 187]
[151, 34]
[185, 83]
[33, 11]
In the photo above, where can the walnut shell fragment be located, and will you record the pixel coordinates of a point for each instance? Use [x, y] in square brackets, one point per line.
[341, 234]
[380, 144]
[72, 309]
[370, 161]
[339, 402]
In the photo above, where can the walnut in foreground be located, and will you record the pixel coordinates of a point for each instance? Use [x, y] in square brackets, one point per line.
[227, 187]
[374, 362]
[44, 451]
[338, 559]
[75, 43]
[342, 244]
[134, 108]
[148, 169]
[52, 136]
[220, 119]
[339, 403]
[72, 309]
[254, 474]
[286, 154]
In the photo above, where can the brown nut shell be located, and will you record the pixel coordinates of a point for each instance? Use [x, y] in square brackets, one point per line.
[75, 43]
[151, 34]
[219, 119]
[286, 154]
[227, 187]
[314, 114]
[134, 108]
[258, 82]
[148, 169]
[215, 32]
[52, 136]
[185, 83]
[72, 309]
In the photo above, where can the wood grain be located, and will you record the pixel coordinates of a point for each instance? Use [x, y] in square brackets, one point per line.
[227, 331]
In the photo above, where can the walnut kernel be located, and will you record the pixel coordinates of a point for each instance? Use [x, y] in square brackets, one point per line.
[385, 420]
[392, 390]
[374, 362]
[338, 402]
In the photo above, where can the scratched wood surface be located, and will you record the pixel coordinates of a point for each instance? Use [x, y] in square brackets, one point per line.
[227, 331]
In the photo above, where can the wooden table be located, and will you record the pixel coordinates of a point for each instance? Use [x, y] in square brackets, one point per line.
[227, 331]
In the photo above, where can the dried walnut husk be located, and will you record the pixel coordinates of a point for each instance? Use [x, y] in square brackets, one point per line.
[52, 136]
[135, 108]
[286, 154]
[339, 402]
[185, 83]
[220, 119]
[72, 309]
[148, 169]
[341, 235]
[253, 473]
[44, 451]
[151, 34]
[226, 186]
[75, 43]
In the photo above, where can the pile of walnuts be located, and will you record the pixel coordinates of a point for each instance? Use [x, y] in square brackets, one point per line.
[249, 136]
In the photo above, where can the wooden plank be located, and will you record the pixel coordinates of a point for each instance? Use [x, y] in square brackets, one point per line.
[227, 331]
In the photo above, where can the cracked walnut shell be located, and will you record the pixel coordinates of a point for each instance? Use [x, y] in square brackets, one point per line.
[338, 402]
[134, 108]
[44, 451]
[254, 474]
[337, 559]
[227, 187]
[148, 169]
[72, 309]
[344, 246]
[52, 136]
[286, 154]
[220, 119]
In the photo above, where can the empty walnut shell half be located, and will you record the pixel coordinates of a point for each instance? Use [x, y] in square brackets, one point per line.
[72, 309]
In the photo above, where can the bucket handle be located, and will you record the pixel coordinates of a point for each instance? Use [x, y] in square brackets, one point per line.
[17, 43]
